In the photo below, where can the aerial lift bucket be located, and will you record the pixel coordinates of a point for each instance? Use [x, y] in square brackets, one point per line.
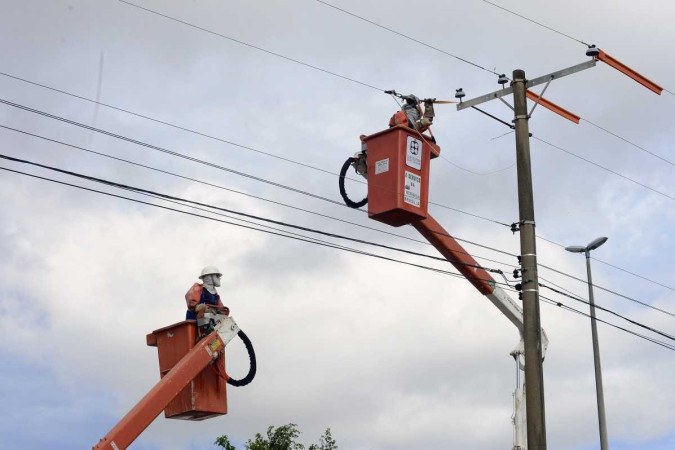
[398, 174]
[206, 395]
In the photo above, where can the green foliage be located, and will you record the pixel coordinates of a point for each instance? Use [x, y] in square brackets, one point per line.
[280, 438]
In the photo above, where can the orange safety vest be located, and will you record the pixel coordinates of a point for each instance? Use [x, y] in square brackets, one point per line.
[194, 295]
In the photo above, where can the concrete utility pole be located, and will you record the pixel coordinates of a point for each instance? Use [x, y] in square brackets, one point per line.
[534, 374]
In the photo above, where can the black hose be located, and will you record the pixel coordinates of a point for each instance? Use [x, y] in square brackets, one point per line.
[252, 368]
[341, 184]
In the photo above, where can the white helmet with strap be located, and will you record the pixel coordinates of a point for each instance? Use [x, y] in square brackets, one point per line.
[210, 270]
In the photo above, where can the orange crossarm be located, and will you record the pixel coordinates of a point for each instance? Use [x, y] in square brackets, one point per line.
[553, 107]
[624, 69]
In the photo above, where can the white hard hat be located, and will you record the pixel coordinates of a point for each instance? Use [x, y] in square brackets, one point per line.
[210, 270]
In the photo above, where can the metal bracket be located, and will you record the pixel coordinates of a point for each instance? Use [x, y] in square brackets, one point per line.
[540, 97]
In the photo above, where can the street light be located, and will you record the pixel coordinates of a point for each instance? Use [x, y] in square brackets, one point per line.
[596, 351]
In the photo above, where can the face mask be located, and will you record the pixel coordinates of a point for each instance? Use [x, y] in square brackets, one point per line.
[211, 282]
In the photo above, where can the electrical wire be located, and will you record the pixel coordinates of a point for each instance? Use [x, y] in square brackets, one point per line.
[535, 22]
[576, 311]
[410, 38]
[312, 241]
[604, 168]
[578, 299]
[217, 166]
[279, 55]
[628, 142]
[459, 239]
[240, 213]
[607, 290]
[286, 234]
[126, 111]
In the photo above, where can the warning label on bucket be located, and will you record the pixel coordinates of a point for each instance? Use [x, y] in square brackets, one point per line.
[412, 185]
[413, 154]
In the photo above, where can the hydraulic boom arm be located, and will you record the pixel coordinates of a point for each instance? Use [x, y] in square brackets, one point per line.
[204, 353]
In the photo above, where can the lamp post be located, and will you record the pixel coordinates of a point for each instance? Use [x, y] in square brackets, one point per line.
[596, 351]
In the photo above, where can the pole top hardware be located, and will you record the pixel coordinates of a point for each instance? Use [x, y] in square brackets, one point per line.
[592, 51]
[502, 79]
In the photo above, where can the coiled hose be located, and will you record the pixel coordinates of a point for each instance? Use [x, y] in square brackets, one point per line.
[341, 184]
[252, 367]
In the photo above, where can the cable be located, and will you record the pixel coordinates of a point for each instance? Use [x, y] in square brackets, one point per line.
[573, 297]
[297, 61]
[628, 142]
[236, 172]
[312, 241]
[407, 37]
[240, 213]
[604, 168]
[608, 290]
[565, 307]
[333, 246]
[535, 22]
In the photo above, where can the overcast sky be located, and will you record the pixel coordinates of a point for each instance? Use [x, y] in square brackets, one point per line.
[388, 356]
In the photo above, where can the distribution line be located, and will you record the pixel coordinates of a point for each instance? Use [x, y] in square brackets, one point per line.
[604, 168]
[233, 171]
[166, 172]
[581, 313]
[608, 290]
[126, 111]
[491, 71]
[548, 28]
[578, 299]
[240, 213]
[297, 61]
[312, 241]
[535, 22]
[628, 142]
[612, 265]
[410, 38]
[200, 161]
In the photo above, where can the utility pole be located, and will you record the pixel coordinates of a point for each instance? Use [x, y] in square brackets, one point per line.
[534, 375]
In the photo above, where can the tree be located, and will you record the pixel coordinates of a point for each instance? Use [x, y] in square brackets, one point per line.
[280, 438]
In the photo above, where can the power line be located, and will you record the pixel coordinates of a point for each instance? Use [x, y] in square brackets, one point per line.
[574, 297]
[303, 239]
[576, 311]
[535, 22]
[628, 142]
[604, 168]
[608, 290]
[227, 169]
[126, 111]
[240, 213]
[270, 182]
[612, 265]
[309, 240]
[166, 172]
[279, 55]
[410, 38]
[295, 237]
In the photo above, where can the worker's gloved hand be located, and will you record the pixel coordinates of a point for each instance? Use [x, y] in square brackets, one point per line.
[428, 101]
[201, 307]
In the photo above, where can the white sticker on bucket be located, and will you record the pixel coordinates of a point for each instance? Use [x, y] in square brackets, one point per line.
[413, 153]
[382, 166]
[412, 188]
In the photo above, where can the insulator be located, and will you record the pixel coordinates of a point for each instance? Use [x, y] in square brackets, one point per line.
[516, 273]
[502, 79]
[592, 51]
[459, 93]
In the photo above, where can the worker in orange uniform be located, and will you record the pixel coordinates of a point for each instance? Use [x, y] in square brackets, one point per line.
[204, 294]
[412, 115]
